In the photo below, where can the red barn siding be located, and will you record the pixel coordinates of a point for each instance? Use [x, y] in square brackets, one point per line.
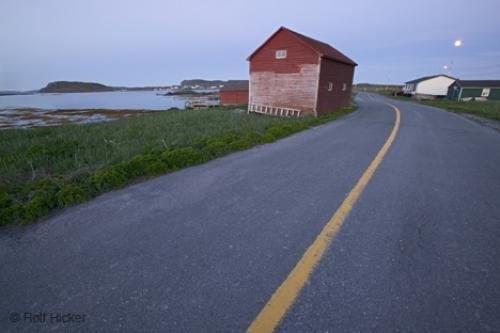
[293, 90]
[300, 81]
[289, 82]
[233, 97]
[297, 53]
[337, 73]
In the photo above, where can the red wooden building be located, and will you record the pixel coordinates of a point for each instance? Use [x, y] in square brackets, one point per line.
[234, 92]
[292, 74]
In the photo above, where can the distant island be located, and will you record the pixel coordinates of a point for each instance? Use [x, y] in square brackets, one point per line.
[74, 87]
[186, 87]
[202, 83]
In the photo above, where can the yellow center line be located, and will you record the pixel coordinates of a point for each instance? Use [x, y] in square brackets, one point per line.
[283, 298]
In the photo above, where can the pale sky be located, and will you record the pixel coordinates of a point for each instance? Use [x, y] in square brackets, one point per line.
[153, 42]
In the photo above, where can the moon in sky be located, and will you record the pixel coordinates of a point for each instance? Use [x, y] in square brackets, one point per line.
[458, 43]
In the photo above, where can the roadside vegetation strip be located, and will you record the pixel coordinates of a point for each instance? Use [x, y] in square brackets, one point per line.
[43, 169]
[284, 297]
[485, 109]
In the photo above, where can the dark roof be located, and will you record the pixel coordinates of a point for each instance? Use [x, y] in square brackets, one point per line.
[235, 85]
[479, 83]
[324, 50]
[429, 77]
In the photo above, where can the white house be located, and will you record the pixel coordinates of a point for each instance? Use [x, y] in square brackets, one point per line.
[436, 85]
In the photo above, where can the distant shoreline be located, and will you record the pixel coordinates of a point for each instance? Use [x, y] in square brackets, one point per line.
[16, 93]
[82, 87]
[149, 100]
[11, 93]
[35, 117]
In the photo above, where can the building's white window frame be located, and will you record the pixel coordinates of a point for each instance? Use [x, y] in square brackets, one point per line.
[344, 86]
[281, 54]
[330, 86]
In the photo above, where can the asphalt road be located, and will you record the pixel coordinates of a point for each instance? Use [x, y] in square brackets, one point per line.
[203, 249]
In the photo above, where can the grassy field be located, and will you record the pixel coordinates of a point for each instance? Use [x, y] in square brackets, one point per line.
[42, 169]
[487, 109]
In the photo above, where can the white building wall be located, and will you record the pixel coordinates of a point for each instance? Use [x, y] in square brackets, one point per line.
[437, 86]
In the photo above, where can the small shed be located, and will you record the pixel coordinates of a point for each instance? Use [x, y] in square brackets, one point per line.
[234, 92]
[463, 90]
[429, 86]
[292, 74]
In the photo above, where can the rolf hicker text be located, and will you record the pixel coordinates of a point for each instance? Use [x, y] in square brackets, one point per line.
[47, 317]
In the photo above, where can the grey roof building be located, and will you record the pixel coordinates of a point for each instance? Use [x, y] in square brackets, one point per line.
[474, 89]
[433, 86]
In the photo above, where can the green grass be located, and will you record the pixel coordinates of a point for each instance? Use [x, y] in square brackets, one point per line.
[486, 109]
[43, 169]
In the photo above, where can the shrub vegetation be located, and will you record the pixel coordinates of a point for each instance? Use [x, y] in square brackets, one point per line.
[42, 169]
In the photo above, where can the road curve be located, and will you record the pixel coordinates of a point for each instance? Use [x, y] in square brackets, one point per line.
[203, 249]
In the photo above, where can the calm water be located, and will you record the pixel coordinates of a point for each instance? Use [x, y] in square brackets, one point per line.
[99, 100]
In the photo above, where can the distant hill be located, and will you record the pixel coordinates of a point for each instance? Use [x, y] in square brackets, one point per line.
[146, 88]
[374, 87]
[377, 85]
[6, 93]
[74, 87]
[78, 86]
[202, 83]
